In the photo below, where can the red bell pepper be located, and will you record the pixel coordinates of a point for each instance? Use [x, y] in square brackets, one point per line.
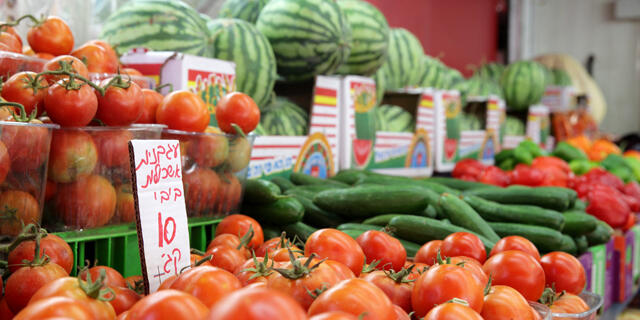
[607, 204]
[603, 176]
[526, 175]
[468, 167]
[549, 161]
[495, 176]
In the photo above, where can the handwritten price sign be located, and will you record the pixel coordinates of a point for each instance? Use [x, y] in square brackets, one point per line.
[161, 216]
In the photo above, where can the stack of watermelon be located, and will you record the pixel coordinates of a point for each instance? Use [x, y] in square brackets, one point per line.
[284, 118]
[523, 83]
[392, 118]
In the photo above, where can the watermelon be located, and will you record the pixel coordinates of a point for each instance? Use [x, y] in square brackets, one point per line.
[548, 76]
[247, 10]
[492, 71]
[478, 87]
[259, 130]
[450, 77]
[392, 118]
[370, 32]
[523, 84]
[405, 52]
[284, 118]
[561, 78]
[431, 72]
[309, 37]
[470, 122]
[241, 42]
[157, 25]
[381, 85]
[513, 126]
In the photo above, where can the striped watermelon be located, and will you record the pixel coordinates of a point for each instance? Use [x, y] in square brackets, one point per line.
[247, 10]
[285, 118]
[513, 126]
[450, 77]
[157, 25]
[491, 71]
[405, 52]
[259, 130]
[392, 118]
[431, 72]
[370, 32]
[561, 78]
[381, 85]
[241, 42]
[478, 87]
[523, 84]
[309, 37]
[470, 121]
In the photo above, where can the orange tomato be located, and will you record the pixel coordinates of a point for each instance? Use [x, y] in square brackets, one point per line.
[601, 148]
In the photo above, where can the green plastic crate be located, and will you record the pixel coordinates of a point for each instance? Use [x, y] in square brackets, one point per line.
[117, 246]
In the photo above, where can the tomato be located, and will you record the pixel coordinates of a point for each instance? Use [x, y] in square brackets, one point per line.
[227, 258]
[569, 303]
[336, 245]
[334, 315]
[474, 267]
[428, 253]
[111, 55]
[12, 31]
[563, 272]
[395, 285]
[442, 283]
[239, 225]
[229, 240]
[113, 147]
[45, 56]
[418, 269]
[60, 308]
[452, 311]
[73, 154]
[257, 304]
[168, 282]
[52, 35]
[28, 146]
[208, 284]
[271, 245]
[87, 203]
[113, 277]
[77, 66]
[58, 251]
[121, 104]
[237, 108]
[23, 89]
[11, 43]
[70, 287]
[168, 305]
[400, 314]
[125, 204]
[515, 243]
[357, 297]
[518, 270]
[18, 208]
[152, 100]
[5, 312]
[97, 59]
[131, 72]
[468, 167]
[380, 246]
[495, 176]
[554, 176]
[505, 303]
[133, 281]
[5, 162]
[201, 187]
[183, 110]
[239, 154]
[124, 299]
[550, 161]
[230, 193]
[23, 283]
[210, 150]
[463, 244]
[340, 269]
[253, 270]
[70, 108]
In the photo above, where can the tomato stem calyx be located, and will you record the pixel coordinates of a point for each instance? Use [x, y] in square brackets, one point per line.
[400, 276]
[262, 268]
[96, 289]
[298, 270]
[28, 233]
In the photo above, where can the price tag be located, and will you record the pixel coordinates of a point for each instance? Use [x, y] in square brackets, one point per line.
[161, 215]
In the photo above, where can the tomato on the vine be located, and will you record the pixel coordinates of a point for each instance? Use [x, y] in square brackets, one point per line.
[357, 297]
[563, 272]
[61, 308]
[518, 270]
[396, 285]
[255, 303]
[58, 63]
[113, 278]
[473, 266]
[52, 35]
[452, 311]
[23, 88]
[123, 299]
[463, 244]
[208, 284]
[428, 253]
[227, 258]
[9, 42]
[73, 107]
[12, 31]
[58, 251]
[168, 305]
[121, 104]
[504, 302]
[569, 303]
[336, 245]
[239, 225]
[73, 154]
[24, 283]
[515, 243]
[97, 58]
[380, 246]
[239, 109]
[183, 110]
[88, 202]
[254, 270]
[152, 99]
[232, 241]
[17, 209]
[334, 315]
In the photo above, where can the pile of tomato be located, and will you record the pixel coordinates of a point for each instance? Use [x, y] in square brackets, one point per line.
[330, 276]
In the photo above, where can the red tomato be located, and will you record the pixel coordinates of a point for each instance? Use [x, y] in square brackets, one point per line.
[563, 271]
[208, 284]
[380, 246]
[152, 99]
[232, 241]
[111, 54]
[73, 153]
[97, 59]
[124, 299]
[168, 305]
[28, 147]
[5, 162]
[468, 167]
[168, 282]
[357, 297]
[515, 243]
[527, 176]
[252, 271]
[61, 308]
[24, 283]
[269, 246]
[133, 281]
[120, 106]
[400, 313]
[230, 194]
[396, 286]
[201, 187]
[125, 205]
[452, 311]
[550, 161]
[495, 176]
[29, 93]
[20, 209]
[336, 245]
[334, 315]
[340, 269]
[10, 42]
[237, 108]
[70, 108]
[70, 287]
[113, 147]
[463, 244]
[569, 303]
[227, 258]
[554, 176]
[53, 36]
[418, 269]
[505, 303]
[209, 150]
[113, 277]
[257, 304]
[183, 110]
[474, 267]
[87, 203]
[442, 283]
[58, 251]
[45, 56]
[77, 66]
[239, 225]
[518, 270]
[5, 312]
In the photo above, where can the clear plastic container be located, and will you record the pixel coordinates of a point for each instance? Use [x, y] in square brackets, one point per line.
[90, 176]
[11, 63]
[594, 302]
[24, 154]
[543, 310]
[214, 170]
[142, 81]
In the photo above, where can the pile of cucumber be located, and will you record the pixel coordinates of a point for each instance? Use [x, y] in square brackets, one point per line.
[420, 210]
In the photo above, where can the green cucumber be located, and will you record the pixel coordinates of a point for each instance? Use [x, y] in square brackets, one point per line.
[282, 212]
[462, 214]
[270, 231]
[571, 194]
[315, 188]
[503, 155]
[353, 233]
[358, 226]
[545, 239]
[577, 223]
[582, 244]
[313, 215]
[284, 183]
[305, 179]
[258, 191]
[367, 201]
[404, 181]
[541, 197]
[457, 183]
[568, 245]
[579, 205]
[600, 235]
[411, 247]
[300, 230]
[349, 176]
[430, 212]
[381, 220]
[525, 214]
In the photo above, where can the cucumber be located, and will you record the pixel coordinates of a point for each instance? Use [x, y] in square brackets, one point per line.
[282, 212]
[422, 230]
[581, 244]
[353, 233]
[569, 245]
[381, 220]
[411, 247]
[313, 215]
[300, 230]
[349, 176]
[541, 197]
[571, 194]
[367, 201]
[258, 191]
[600, 235]
[462, 214]
[284, 183]
[270, 232]
[358, 226]
[430, 212]
[579, 205]
[525, 214]
[315, 188]
[404, 181]
[305, 179]
[577, 223]
[458, 184]
[545, 239]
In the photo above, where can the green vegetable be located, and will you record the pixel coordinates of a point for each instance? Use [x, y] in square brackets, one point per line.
[282, 212]
[358, 226]
[458, 184]
[634, 165]
[577, 223]
[522, 155]
[313, 215]
[568, 245]
[545, 239]
[381, 220]
[284, 183]
[580, 167]
[393, 180]
[600, 235]
[461, 214]
[617, 165]
[568, 152]
[542, 197]
[349, 176]
[305, 179]
[534, 149]
[300, 230]
[581, 244]
[525, 214]
[258, 191]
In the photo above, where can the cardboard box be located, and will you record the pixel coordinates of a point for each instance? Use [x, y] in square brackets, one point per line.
[210, 78]
[559, 98]
[537, 121]
[594, 262]
[636, 257]
[611, 275]
[624, 246]
[483, 144]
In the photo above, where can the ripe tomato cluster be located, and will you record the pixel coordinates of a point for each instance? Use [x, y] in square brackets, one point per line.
[242, 276]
